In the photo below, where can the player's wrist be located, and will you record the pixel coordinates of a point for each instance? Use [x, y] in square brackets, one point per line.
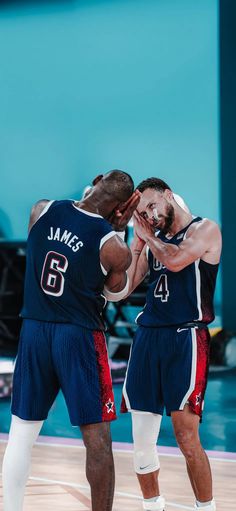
[138, 242]
[149, 238]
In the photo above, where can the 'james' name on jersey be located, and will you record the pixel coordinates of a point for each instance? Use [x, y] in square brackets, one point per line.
[65, 236]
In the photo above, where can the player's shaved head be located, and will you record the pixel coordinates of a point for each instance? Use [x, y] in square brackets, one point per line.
[117, 184]
[155, 183]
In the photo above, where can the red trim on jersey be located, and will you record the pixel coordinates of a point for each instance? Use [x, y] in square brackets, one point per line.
[107, 396]
[196, 399]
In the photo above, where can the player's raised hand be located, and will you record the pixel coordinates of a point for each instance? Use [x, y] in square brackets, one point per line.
[142, 227]
[120, 217]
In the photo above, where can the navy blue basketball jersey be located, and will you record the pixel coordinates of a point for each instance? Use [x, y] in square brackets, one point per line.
[174, 298]
[64, 277]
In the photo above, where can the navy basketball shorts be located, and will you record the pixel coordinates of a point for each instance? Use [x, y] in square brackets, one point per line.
[53, 356]
[167, 368]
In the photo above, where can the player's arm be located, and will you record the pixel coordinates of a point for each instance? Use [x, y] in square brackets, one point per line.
[203, 241]
[36, 211]
[139, 266]
[115, 257]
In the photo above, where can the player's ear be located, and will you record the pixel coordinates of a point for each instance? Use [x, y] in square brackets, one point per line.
[168, 194]
[97, 179]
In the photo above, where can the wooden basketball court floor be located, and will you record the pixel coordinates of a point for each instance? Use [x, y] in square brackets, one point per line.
[58, 480]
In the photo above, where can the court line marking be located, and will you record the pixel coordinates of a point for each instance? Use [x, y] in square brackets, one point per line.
[123, 451]
[118, 493]
[85, 487]
[78, 495]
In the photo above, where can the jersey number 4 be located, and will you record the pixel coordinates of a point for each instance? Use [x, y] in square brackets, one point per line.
[52, 278]
[161, 290]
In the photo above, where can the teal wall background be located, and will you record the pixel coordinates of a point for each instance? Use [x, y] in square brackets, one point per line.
[87, 86]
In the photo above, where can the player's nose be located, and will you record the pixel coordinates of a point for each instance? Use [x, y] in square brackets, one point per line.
[151, 219]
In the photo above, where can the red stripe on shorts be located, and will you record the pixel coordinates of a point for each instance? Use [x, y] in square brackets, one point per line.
[107, 396]
[196, 399]
[123, 407]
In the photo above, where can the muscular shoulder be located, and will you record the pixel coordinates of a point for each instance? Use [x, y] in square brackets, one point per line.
[208, 232]
[36, 211]
[203, 228]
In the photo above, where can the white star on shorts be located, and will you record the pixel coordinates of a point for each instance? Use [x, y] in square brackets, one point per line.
[198, 398]
[109, 406]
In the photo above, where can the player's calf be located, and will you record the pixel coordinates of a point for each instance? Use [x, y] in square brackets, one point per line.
[99, 465]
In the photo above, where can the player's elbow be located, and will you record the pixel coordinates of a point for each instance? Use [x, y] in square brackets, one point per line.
[116, 296]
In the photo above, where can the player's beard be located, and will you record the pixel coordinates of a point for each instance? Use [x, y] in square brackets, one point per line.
[166, 220]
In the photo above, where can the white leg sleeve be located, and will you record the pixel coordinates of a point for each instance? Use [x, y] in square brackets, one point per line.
[146, 427]
[16, 461]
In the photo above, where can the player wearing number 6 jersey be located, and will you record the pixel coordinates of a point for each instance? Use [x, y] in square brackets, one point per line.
[170, 353]
[75, 261]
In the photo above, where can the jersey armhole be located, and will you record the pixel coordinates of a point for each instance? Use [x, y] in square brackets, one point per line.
[193, 218]
[45, 209]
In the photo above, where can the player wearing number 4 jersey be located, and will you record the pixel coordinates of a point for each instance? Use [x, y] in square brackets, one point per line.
[170, 353]
[75, 262]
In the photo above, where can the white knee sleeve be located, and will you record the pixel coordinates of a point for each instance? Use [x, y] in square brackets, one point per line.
[146, 427]
[210, 507]
[16, 461]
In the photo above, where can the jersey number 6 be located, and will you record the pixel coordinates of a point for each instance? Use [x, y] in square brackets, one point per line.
[52, 278]
[161, 290]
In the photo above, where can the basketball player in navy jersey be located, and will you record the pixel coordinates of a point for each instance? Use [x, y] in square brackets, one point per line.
[75, 262]
[169, 358]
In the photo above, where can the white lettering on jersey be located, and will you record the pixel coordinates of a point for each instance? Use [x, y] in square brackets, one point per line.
[72, 240]
[50, 237]
[77, 246]
[57, 234]
[67, 237]
[157, 266]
